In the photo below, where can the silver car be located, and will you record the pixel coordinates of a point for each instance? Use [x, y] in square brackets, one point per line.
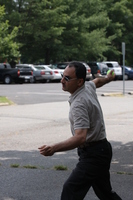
[40, 74]
[57, 73]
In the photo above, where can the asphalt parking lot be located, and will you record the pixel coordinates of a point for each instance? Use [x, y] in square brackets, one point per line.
[26, 175]
[23, 94]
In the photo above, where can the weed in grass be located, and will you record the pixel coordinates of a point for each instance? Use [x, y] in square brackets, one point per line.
[120, 172]
[127, 173]
[14, 165]
[30, 167]
[60, 167]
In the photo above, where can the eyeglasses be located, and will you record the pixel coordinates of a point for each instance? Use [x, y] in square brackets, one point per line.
[67, 78]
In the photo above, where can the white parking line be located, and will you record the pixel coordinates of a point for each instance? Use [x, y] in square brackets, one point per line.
[45, 93]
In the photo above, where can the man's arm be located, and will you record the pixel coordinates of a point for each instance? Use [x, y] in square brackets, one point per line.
[73, 142]
[99, 82]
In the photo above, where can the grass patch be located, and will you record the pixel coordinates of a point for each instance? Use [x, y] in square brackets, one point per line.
[60, 167]
[120, 172]
[127, 173]
[30, 167]
[5, 100]
[14, 165]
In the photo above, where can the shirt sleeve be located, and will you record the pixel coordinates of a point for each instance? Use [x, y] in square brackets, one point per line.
[91, 84]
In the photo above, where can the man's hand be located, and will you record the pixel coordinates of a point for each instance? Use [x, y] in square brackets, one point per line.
[99, 82]
[110, 75]
[46, 150]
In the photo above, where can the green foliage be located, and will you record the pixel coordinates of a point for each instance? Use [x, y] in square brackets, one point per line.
[30, 167]
[9, 48]
[85, 31]
[121, 15]
[63, 30]
[41, 23]
[60, 167]
[14, 165]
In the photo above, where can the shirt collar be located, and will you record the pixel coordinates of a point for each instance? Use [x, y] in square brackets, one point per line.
[72, 97]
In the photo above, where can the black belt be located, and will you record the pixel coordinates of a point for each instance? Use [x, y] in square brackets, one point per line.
[89, 144]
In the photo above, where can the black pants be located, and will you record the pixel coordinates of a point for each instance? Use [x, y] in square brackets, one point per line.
[92, 170]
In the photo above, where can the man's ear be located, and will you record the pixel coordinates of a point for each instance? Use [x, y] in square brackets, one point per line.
[80, 82]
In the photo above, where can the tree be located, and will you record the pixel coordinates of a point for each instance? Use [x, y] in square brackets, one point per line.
[85, 34]
[120, 14]
[9, 48]
[42, 22]
[128, 32]
[61, 30]
[64, 30]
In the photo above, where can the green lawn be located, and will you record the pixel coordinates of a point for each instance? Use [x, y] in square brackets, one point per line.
[5, 100]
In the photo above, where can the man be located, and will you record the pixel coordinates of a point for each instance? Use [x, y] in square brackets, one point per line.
[89, 137]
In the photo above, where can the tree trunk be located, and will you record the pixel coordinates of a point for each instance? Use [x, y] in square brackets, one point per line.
[47, 56]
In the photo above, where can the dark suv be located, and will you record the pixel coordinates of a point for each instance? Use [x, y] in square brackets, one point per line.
[98, 69]
[103, 68]
[62, 65]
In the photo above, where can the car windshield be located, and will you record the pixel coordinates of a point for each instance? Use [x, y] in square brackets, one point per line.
[19, 67]
[102, 65]
[40, 67]
[61, 66]
[116, 65]
[109, 65]
[53, 67]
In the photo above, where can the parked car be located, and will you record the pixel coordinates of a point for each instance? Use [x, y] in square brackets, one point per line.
[9, 75]
[26, 73]
[39, 74]
[88, 71]
[49, 75]
[63, 65]
[56, 72]
[94, 69]
[98, 69]
[128, 72]
[103, 68]
[116, 67]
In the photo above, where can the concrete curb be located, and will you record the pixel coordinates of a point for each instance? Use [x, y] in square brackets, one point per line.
[116, 94]
[4, 104]
[112, 94]
[131, 93]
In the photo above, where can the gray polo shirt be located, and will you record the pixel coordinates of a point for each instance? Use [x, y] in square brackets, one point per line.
[85, 112]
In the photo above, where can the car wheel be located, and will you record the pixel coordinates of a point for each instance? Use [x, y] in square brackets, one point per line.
[21, 82]
[44, 81]
[7, 79]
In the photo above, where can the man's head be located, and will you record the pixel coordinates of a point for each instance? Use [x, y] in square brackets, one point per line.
[73, 77]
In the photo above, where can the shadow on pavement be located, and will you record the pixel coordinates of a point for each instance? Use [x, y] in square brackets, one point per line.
[45, 183]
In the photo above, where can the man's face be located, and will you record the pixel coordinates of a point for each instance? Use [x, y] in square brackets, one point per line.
[69, 80]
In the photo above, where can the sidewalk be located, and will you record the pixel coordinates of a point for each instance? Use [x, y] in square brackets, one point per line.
[24, 128]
